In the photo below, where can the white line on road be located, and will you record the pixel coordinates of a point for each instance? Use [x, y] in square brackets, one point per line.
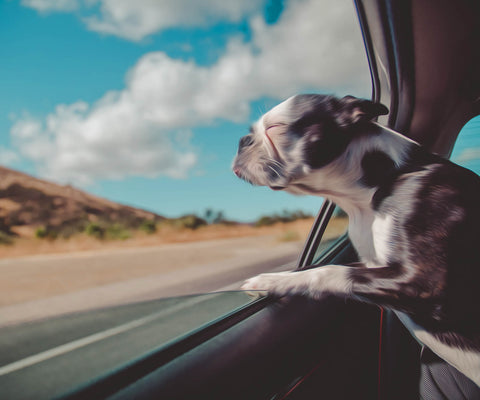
[76, 344]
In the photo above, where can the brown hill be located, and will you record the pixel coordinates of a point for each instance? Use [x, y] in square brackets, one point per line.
[27, 203]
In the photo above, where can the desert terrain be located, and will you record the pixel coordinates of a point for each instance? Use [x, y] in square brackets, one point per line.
[65, 250]
[38, 269]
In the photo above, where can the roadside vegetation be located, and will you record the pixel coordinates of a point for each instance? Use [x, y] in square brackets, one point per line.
[108, 230]
[6, 239]
[284, 217]
[81, 235]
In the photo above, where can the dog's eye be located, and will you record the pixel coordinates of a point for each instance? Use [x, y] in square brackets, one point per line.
[276, 128]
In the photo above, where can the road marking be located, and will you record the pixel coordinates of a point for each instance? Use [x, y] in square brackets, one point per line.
[96, 337]
[76, 344]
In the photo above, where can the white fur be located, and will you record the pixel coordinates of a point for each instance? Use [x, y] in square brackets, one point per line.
[313, 282]
[381, 232]
[468, 362]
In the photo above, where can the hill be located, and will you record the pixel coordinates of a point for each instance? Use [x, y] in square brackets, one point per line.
[28, 203]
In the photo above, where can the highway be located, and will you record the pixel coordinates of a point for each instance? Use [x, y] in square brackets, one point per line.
[44, 358]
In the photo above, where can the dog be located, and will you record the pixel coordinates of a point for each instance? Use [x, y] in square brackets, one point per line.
[414, 217]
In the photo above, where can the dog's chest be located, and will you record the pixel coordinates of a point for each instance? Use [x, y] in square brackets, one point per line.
[370, 234]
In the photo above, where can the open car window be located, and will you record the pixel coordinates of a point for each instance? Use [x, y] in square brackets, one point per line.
[466, 151]
[66, 349]
[102, 292]
[335, 230]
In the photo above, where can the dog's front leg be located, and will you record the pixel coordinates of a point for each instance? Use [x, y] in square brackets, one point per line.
[313, 282]
[382, 285]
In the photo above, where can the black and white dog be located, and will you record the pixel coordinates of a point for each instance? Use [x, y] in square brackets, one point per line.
[414, 218]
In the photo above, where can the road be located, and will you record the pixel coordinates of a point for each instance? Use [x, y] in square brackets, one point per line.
[43, 286]
[46, 357]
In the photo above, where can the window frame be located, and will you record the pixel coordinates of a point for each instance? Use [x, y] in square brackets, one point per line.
[316, 233]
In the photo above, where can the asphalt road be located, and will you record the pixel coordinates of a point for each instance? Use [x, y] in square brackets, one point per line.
[46, 358]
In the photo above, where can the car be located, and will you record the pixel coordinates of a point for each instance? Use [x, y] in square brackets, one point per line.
[424, 61]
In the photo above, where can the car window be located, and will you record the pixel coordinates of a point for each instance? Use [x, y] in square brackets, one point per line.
[131, 331]
[116, 185]
[466, 151]
[336, 228]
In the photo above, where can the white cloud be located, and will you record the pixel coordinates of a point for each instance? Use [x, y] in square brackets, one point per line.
[316, 44]
[134, 20]
[8, 156]
[110, 140]
[468, 155]
[51, 5]
[141, 129]
[137, 19]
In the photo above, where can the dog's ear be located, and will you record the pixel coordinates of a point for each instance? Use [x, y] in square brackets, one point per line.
[351, 110]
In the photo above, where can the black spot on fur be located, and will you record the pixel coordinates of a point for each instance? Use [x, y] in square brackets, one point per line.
[328, 124]
[325, 146]
[377, 168]
[349, 110]
[416, 160]
[444, 228]
[245, 141]
[344, 113]
[382, 193]
[364, 276]
[325, 141]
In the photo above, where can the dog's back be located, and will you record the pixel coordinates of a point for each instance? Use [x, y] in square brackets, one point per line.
[435, 207]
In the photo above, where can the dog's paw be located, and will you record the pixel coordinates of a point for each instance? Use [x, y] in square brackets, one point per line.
[265, 284]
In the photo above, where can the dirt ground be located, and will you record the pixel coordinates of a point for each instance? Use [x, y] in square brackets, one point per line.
[39, 269]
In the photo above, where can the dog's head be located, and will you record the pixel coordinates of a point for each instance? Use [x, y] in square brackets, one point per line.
[304, 133]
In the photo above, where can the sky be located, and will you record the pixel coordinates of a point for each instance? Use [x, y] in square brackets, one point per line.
[143, 102]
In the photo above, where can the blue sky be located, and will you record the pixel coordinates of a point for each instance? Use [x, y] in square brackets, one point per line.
[144, 102]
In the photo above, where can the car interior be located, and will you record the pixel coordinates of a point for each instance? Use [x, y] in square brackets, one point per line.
[424, 62]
